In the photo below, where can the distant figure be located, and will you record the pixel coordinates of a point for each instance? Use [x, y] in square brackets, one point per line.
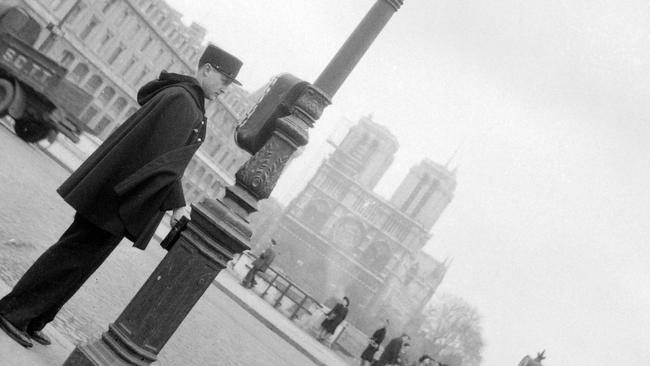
[377, 337]
[537, 361]
[391, 353]
[403, 358]
[333, 318]
[426, 360]
[260, 264]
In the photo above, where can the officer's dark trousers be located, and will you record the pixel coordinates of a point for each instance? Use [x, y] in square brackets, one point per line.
[57, 274]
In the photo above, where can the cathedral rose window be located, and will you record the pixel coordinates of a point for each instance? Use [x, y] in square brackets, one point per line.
[348, 234]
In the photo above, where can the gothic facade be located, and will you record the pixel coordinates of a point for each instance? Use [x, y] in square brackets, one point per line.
[338, 237]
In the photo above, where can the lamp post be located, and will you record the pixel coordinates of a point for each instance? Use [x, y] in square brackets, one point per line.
[219, 228]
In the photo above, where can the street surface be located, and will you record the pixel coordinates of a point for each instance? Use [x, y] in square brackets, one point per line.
[32, 217]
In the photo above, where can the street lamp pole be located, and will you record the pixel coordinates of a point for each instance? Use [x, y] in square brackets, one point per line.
[219, 228]
[356, 46]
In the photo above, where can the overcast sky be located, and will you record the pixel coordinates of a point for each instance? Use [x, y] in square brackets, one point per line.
[549, 100]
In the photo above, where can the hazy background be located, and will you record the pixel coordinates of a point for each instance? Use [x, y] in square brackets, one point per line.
[547, 101]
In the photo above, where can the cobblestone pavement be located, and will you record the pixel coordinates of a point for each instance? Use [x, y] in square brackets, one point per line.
[216, 332]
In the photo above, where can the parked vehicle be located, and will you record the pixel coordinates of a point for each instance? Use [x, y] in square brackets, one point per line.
[33, 88]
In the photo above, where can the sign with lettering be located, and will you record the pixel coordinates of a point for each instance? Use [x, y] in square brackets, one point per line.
[23, 62]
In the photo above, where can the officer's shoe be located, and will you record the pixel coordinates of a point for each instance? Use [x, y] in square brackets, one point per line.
[15, 333]
[40, 337]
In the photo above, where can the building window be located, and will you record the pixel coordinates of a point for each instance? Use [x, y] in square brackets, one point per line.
[106, 95]
[103, 123]
[146, 43]
[74, 12]
[215, 150]
[118, 106]
[130, 112]
[89, 28]
[199, 174]
[118, 51]
[205, 182]
[80, 71]
[90, 113]
[104, 41]
[161, 20]
[141, 76]
[123, 18]
[93, 84]
[56, 4]
[216, 186]
[424, 181]
[108, 6]
[128, 66]
[136, 30]
[67, 58]
[224, 157]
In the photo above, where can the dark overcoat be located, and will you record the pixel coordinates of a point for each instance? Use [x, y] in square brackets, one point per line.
[334, 318]
[391, 353]
[265, 259]
[375, 340]
[127, 184]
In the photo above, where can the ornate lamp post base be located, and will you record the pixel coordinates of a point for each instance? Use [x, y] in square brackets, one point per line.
[110, 350]
[206, 245]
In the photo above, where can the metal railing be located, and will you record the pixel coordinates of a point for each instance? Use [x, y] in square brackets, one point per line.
[284, 295]
[300, 307]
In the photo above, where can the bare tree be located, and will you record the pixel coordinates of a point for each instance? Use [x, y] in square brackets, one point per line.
[450, 331]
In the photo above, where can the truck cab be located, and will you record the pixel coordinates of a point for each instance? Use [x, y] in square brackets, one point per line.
[33, 88]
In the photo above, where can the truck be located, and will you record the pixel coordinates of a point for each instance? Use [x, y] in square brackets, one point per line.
[33, 89]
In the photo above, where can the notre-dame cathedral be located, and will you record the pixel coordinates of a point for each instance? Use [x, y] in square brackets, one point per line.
[338, 237]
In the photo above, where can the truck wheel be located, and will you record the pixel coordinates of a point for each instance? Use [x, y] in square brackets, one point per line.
[31, 130]
[6, 96]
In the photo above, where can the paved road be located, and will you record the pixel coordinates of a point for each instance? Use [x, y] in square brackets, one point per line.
[216, 332]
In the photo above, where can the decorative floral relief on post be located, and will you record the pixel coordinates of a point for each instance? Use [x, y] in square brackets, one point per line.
[260, 173]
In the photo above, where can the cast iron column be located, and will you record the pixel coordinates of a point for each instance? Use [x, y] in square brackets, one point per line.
[219, 228]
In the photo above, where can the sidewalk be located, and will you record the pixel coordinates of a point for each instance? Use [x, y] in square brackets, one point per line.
[54, 355]
[277, 322]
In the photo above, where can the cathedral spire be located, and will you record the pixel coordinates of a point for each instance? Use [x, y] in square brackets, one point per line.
[455, 157]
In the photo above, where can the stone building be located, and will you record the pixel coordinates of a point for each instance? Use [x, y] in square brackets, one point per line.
[338, 237]
[113, 47]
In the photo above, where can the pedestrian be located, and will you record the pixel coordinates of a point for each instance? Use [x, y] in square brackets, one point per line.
[391, 353]
[375, 340]
[426, 360]
[122, 190]
[333, 318]
[403, 358]
[260, 264]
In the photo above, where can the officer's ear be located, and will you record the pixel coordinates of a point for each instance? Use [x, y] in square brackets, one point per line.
[204, 70]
